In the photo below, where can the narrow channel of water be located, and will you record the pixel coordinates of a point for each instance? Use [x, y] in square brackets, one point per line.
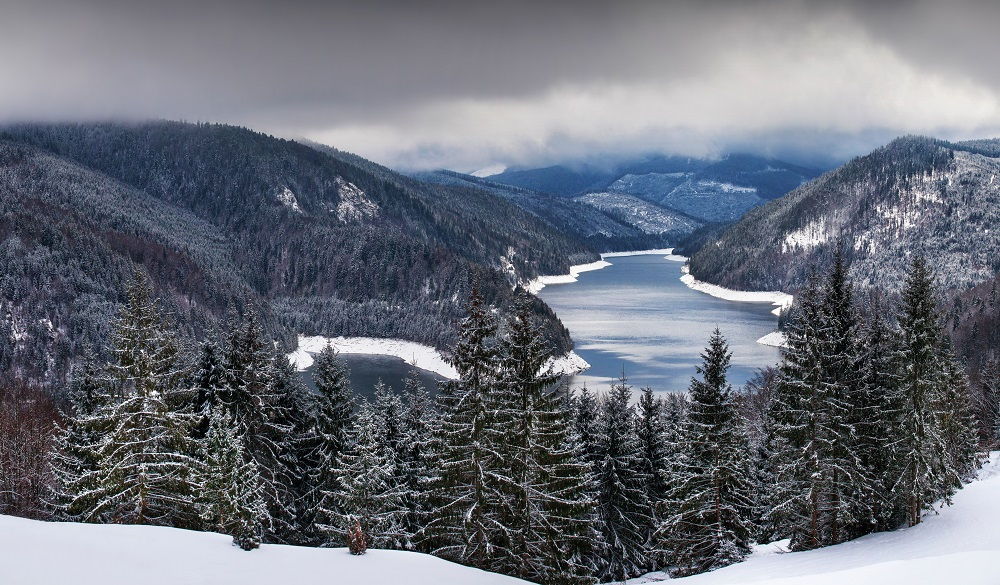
[638, 316]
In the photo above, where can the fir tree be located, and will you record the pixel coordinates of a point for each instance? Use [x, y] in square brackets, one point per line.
[144, 473]
[925, 471]
[368, 491]
[709, 525]
[651, 431]
[231, 493]
[548, 513]
[468, 498]
[333, 423]
[209, 383]
[417, 457]
[624, 514]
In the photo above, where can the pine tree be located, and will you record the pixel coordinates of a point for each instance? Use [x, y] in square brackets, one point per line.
[624, 514]
[651, 430]
[392, 437]
[925, 471]
[548, 514]
[74, 458]
[710, 523]
[467, 495]
[417, 458]
[988, 403]
[824, 492]
[144, 473]
[209, 383]
[231, 491]
[368, 491]
[333, 423]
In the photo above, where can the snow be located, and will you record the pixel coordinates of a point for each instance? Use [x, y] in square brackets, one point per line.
[489, 171]
[779, 299]
[536, 285]
[288, 199]
[959, 545]
[774, 339]
[569, 364]
[809, 236]
[416, 354]
[354, 205]
[49, 553]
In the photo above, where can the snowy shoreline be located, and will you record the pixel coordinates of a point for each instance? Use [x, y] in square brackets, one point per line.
[780, 300]
[416, 354]
[536, 285]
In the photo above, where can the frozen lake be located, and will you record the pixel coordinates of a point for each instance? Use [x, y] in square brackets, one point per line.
[636, 314]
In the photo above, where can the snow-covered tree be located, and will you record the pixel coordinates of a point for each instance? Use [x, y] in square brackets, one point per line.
[417, 457]
[145, 473]
[333, 425]
[468, 496]
[231, 487]
[369, 491]
[653, 463]
[548, 514]
[708, 522]
[925, 470]
[624, 513]
[209, 382]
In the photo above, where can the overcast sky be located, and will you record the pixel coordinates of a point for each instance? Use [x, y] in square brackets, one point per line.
[467, 84]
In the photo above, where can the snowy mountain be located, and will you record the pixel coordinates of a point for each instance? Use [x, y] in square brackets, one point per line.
[915, 194]
[719, 190]
[91, 554]
[959, 546]
[648, 217]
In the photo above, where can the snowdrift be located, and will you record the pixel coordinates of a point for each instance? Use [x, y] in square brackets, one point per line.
[54, 553]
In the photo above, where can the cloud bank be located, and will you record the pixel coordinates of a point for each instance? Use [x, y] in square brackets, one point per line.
[466, 85]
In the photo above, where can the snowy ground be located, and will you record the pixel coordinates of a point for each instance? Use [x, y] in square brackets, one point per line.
[777, 298]
[53, 553]
[422, 356]
[536, 285]
[959, 546]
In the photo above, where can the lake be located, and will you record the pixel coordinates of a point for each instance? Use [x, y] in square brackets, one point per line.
[367, 370]
[638, 316]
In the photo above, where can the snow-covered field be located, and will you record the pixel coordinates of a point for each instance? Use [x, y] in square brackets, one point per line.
[55, 553]
[959, 546]
[536, 285]
[774, 339]
[416, 354]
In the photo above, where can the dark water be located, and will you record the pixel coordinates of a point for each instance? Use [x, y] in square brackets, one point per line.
[638, 315]
[367, 369]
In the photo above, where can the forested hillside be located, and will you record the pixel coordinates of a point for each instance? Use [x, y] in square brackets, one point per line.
[602, 231]
[915, 194]
[226, 220]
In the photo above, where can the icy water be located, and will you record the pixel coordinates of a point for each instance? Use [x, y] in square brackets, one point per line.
[638, 316]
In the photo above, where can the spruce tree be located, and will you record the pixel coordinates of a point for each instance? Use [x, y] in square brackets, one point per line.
[368, 492]
[624, 513]
[231, 491]
[333, 426]
[145, 473]
[651, 431]
[209, 383]
[466, 524]
[925, 472]
[548, 513]
[417, 457]
[709, 523]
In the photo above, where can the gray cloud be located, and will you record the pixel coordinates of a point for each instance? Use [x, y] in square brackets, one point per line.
[465, 84]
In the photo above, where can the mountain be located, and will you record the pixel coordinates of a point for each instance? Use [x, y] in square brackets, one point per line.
[915, 194]
[224, 219]
[94, 554]
[715, 191]
[648, 217]
[602, 231]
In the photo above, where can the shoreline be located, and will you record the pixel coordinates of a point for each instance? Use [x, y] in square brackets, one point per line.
[415, 354]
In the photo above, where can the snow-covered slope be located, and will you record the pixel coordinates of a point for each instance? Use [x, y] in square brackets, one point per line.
[648, 217]
[960, 546]
[54, 553]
